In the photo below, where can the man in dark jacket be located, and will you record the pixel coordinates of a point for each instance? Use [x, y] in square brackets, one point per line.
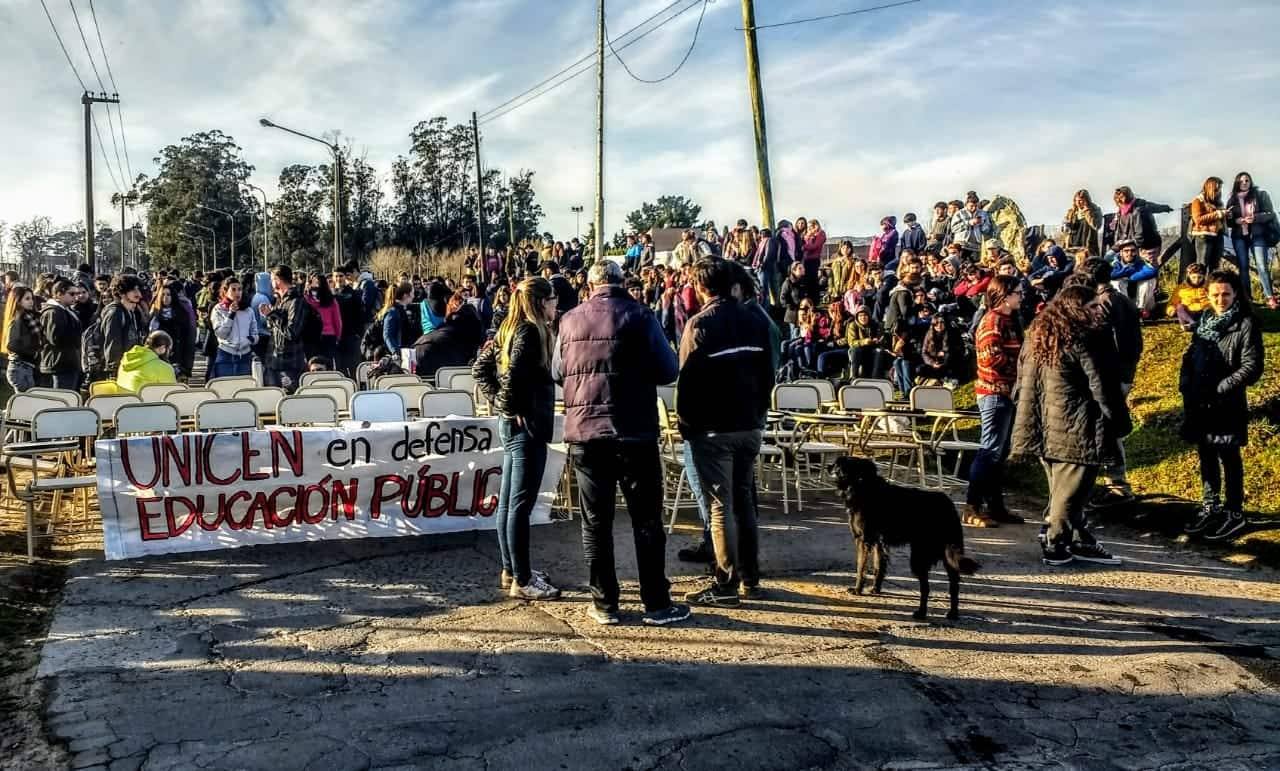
[351, 307]
[452, 344]
[913, 238]
[60, 355]
[1135, 220]
[286, 320]
[566, 295]
[611, 356]
[124, 322]
[726, 342]
[1125, 329]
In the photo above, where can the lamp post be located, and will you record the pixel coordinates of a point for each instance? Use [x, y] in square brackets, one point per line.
[214, 233]
[204, 262]
[577, 221]
[266, 223]
[337, 184]
[231, 217]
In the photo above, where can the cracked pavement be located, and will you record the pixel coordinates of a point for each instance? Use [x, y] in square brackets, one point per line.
[385, 654]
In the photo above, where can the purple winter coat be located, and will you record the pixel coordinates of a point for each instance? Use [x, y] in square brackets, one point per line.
[611, 356]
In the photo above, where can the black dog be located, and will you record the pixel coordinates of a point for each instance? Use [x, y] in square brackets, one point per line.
[882, 514]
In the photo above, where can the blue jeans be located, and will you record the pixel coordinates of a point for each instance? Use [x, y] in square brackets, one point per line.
[695, 487]
[1255, 247]
[902, 373]
[986, 483]
[69, 381]
[230, 365]
[523, 461]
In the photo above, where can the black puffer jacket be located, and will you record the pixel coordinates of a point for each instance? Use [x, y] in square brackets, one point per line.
[454, 344]
[1073, 412]
[791, 295]
[1213, 381]
[525, 388]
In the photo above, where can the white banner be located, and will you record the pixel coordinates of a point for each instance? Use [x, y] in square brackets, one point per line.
[201, 491]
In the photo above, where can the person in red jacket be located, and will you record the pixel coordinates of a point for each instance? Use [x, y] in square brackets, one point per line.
[815, 238]
[998, 342]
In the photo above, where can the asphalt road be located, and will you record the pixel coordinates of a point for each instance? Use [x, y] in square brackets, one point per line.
[401, 654]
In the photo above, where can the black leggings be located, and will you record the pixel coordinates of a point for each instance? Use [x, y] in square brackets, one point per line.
[1211, 478]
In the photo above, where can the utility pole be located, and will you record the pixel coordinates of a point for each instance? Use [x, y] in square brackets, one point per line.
[122, 204]
[577, 220]
[475, 135]
[88, 99]
[757, 111]
[599, 245]
[337, 207]
[511, 224]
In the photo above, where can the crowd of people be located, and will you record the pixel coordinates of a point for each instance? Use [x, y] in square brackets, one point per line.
[1048, 332]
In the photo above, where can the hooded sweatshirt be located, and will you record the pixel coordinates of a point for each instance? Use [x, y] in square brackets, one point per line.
[237, 330]
[141, 366]
[261, 294]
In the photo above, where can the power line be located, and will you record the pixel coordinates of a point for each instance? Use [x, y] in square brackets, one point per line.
[590, 67]
[679, 66]
[834, 15]
[586, 57]
[61, 45]
[116, 89]
[101, 84]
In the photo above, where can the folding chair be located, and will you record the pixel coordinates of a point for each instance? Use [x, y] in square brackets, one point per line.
[61, 433]
[799, 442]
[105, 388]
[667, 394]
[106, 407]
[439, 404]
[226, 387]
[386, 381]
[266, 399]
[156, 392]
[441, 376]
[187, 402]
[378, 407]
[674, 471]
[308, 410]
[340, 391]
[362, 373]
[937, 428]
[19, 412]
[227, 415]
[826, 391]
[458, 381]
[412, 393]
[882, 431]
[885, 387]
[69, 398]
[146, 418]
[307, 378]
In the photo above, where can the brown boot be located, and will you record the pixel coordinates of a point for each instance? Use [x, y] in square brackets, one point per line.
[974, 517]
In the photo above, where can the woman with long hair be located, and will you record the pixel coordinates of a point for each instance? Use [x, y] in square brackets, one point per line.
[169, 315]
[320, 296]
[23, 338]
[1070, 414]
[1252, 220]
[1208, 224]
[394, 318]
[1224, 358]
[235, 330]
[514, 374]
[1083, 223]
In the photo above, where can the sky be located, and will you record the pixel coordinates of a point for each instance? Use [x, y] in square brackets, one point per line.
[868, 115]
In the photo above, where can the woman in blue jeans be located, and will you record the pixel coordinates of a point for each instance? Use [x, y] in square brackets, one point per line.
[236, 328]
[514, 374]
[1254, 231]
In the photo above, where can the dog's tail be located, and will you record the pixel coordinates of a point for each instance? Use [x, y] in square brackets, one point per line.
[955, 557]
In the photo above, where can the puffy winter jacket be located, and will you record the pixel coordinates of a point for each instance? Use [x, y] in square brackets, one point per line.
[1138, 270]
[1072, 411]
[1213, 380]
[523, 388]
[611, 356]
[62, 334]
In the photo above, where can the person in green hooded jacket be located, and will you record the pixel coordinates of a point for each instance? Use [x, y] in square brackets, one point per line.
[145, 364]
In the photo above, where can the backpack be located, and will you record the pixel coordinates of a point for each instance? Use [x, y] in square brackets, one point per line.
[93, 357]
[372, 347]
[387, 365]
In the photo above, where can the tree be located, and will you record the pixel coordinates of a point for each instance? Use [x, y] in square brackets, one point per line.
[364, 196]
[29, 242]
[296, 217]
[204, 168]
[671, 211]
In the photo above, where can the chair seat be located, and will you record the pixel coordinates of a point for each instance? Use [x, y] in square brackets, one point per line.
[956, 445]
[886, 444]
[769, 451]
[56, 484]
[28, 464]
[820, 447]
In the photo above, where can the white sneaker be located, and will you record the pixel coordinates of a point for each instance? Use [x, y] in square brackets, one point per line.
[536, 589]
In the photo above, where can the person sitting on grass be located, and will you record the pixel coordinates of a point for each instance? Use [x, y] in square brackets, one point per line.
[1190, 299]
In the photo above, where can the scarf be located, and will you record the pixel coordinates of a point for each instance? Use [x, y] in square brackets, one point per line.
[1127, 207]
[1212, 326]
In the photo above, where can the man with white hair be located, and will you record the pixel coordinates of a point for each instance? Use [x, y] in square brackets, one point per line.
[611, 356]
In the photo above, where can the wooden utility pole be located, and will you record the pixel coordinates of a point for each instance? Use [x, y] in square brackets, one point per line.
[87, 100]
[475, 135]
[599, 245]
[757, 112]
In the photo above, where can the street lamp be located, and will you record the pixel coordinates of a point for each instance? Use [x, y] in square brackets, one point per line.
[204, 262]
[266, 224]
[577, 220]
[214, 233]
[231, 217]
[337, 184]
